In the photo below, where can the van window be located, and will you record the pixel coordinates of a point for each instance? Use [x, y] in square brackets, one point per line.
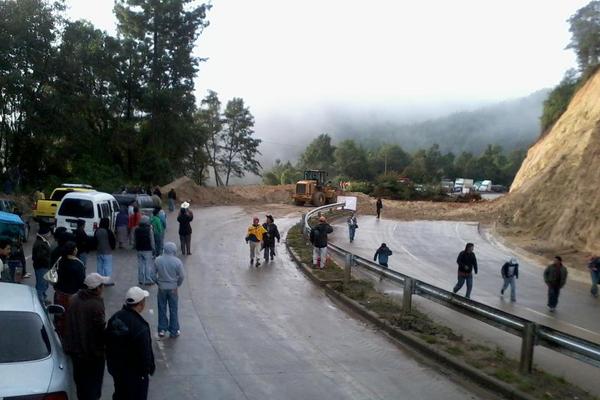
[105, 210]
[116, 207]
[78, 208]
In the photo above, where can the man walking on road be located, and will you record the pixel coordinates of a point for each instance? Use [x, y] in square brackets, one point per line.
[129, 356]
[40, 255]
[185, 218]
[269, 237]
[382, 253]
[379, 206]
[254, 238]
[172, 197]
[510, 273]
[352, 225]
[594, 267]
[168, 270]
[84, 337]
[555, 276]
[105, 244]
[144, 244]
[467, 264]
[318, 238]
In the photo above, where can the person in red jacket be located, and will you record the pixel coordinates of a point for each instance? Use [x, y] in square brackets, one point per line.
[134, 222]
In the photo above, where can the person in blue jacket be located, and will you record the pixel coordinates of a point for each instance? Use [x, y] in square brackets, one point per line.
[382, 253]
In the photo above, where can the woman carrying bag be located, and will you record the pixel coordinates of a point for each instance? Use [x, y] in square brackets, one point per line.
[70, 273]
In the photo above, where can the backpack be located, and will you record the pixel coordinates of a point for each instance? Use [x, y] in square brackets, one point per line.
[315, 235]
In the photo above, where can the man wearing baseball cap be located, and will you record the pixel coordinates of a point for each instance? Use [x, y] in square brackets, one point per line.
[84, 336]
[129, 355]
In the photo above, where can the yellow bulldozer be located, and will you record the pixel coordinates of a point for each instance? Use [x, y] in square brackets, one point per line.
[314, 189]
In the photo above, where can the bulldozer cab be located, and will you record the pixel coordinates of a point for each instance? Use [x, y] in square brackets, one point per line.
[315, 175]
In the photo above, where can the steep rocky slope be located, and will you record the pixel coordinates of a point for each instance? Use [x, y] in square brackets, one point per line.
[556, 193]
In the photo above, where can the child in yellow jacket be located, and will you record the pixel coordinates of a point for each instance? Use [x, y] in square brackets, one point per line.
[254, 238]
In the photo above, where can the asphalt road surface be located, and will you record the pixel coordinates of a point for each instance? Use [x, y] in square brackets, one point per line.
[267, 333]
[427, 250]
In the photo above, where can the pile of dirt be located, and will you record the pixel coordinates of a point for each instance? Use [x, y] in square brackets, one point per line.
[188, 190]
[554, 197]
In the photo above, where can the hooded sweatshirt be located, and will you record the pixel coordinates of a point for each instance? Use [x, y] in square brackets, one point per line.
[168, 268]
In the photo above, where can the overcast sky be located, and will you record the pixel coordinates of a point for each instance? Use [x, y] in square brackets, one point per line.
[278, 53]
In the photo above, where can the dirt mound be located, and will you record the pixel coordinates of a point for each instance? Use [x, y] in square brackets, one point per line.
[554, 196]
[200, 195]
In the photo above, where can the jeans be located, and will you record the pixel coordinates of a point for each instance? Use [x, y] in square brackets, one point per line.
[88, 375]
[186, 241]
[384, 264]
[41, 285]
[168, 297]
[319, 256]
[269, 251]
[553, 293]
[461, 281]
[130, 387]
[351, 232]
[158, 243]
[171, 205]
[104, 264]
[145, 268]
[512, 281]
[83, 257]
[595, 281]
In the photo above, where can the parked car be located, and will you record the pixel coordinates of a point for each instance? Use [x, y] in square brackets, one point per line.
[11, 207]
[45, 210]
[145, 203]
[88, 206]
[14, 229]
[33, 365]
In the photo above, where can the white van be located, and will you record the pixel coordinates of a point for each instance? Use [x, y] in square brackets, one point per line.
[88, 206]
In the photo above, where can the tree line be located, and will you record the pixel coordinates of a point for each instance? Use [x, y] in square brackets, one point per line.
[348, 161]
[79, 104]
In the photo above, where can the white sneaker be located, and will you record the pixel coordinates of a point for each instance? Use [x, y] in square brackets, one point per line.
[161, 333]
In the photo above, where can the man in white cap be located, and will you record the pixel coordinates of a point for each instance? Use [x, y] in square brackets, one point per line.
[510, 273]
[84, 337]
[184, 218]
[129, 355]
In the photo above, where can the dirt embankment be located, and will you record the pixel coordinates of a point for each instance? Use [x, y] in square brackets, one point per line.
[187, 190]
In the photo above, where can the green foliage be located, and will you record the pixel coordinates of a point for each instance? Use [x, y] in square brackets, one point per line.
[351, 159]
[558, 100]
[361, 186]
[282, 174]
[389, 158]
[319, 155]
[585, 31]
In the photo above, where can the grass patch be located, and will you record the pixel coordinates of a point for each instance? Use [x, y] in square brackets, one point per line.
[490, 360]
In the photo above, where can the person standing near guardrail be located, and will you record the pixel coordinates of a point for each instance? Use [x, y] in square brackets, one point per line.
[467, 264]
[318, 238]
[510, 273]
[352, 226]
[382, 254]
[555, 276]
[594, 267]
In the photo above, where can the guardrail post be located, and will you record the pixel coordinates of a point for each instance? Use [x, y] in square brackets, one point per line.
[527, 345]
[303, 224]
[348, 268]
[409, 287]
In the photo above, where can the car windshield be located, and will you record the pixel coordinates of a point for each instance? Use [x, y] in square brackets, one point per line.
[77, 208]
[23, 338]
[59, 194]
[11, 231]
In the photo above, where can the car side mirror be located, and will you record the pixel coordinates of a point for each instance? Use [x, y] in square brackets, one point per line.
[55, 309]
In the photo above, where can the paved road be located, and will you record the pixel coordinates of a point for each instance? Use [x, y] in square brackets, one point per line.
[268, 333]
[427, 250]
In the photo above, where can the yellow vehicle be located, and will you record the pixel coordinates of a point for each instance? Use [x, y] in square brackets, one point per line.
[45, 210]
[314, 190]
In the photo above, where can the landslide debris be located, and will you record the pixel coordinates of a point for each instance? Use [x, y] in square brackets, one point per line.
[188, 190]
[555, 196]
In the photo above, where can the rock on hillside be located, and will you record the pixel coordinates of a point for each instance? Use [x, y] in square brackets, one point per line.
[556, 193]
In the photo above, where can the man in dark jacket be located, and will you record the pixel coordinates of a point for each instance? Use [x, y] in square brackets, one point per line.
[172, 196]
[382, 253]
[129, 355]
[144, 244]
[555, 276]
[594, 267]
[83, 242]
[467, 264]
[40, 255]
[510, 273]
[185, 218]
[379, 206]
[318, 237]
[269, 237]
[84, 337]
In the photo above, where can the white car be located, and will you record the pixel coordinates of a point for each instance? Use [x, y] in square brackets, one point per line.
[33, 365]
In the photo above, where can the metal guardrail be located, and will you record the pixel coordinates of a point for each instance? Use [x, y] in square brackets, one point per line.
[532, 333]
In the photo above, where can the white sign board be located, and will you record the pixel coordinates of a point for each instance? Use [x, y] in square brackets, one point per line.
[351, 202]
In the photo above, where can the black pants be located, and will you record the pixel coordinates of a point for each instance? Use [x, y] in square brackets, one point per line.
[378, 212]
[186, 241]
[131, 387]
[269, 251]
[553, 293]
[88, 375]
